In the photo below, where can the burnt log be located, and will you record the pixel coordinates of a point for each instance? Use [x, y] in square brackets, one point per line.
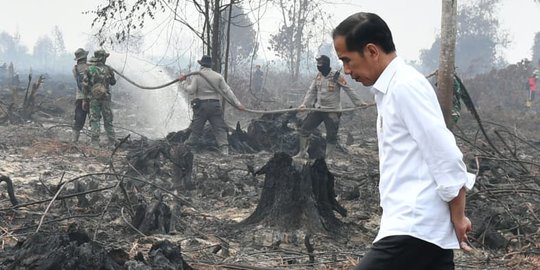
[297, 197]
[147, 160]
[277, 133]
[237, 139]
[165, 255]
[182, 160]
[73, 250]
[271, 132]
[162, 255]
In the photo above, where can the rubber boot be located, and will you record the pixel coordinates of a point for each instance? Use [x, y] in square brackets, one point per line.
[111, 142]
[330, 148]
[224, 150]
[303, 152]
[76, 134]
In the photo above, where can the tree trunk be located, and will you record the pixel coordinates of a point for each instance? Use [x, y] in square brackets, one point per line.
[207, 26]
[297, 198]
[445, 75]
[216, 38]
[226, 73]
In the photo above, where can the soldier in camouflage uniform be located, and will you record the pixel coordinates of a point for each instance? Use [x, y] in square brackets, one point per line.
[324, 93]
[97, 81]
[81, 100]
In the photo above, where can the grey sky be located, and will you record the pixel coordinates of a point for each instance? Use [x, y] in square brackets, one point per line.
[414, 23]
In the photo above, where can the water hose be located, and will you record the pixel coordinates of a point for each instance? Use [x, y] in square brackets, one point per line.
[232, 103]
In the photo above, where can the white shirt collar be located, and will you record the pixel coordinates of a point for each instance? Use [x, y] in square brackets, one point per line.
[386, 76]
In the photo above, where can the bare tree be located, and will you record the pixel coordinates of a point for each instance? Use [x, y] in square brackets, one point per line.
[58, 41]
[133, 15]
[291, 41]
[445, 75]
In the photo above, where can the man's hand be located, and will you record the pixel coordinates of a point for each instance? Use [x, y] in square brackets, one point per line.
[85, 105]
[182, 77]
[302, 107]
[241, 107]
[462, 227]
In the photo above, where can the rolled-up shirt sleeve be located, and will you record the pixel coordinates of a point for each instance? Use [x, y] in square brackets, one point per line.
[423, 117]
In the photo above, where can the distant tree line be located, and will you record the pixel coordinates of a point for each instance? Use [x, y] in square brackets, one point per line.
[479, 39]
[48, 54]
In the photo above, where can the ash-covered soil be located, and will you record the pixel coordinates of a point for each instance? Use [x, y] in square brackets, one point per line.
[38, 157]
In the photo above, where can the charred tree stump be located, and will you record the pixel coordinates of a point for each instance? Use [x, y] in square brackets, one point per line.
[238, 140]
[297, 198]
[146, 160]
[182, 160]
[153, 218]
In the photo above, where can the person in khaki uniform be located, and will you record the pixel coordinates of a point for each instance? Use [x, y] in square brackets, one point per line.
[206, 104]
[324, 93]
[97, 82]
[81, 100]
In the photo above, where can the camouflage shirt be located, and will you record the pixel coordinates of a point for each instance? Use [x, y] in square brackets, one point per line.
[98, 75]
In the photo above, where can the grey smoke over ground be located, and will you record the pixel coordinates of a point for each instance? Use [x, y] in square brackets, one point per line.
[153, 113]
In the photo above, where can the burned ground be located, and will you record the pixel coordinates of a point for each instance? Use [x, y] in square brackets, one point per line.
[136, 216]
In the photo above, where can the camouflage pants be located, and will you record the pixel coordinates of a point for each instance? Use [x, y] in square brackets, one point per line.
[314, 119]
[100, 108]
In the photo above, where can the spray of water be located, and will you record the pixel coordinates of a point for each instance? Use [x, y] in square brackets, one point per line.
[151, 113]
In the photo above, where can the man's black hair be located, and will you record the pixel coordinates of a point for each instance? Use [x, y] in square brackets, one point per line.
[362, 28]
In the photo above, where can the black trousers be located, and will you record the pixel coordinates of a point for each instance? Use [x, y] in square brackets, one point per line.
[80, 115]
[403, 252]
[314, 119]
[208, 110]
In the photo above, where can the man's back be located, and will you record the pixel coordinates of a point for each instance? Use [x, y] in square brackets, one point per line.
[205, 84]
[98, 79]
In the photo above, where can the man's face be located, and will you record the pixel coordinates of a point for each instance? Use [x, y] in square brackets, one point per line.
[361, 67]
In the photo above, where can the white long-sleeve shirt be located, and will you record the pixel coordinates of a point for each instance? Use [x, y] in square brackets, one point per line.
[421, 167]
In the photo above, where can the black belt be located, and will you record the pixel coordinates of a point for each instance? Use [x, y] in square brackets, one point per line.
[209, 100]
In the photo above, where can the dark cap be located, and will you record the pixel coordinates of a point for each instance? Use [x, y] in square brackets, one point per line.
[80, 53]
[206, 61]
[323, 59]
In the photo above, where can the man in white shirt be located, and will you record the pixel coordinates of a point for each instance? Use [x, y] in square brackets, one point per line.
[422, 176]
